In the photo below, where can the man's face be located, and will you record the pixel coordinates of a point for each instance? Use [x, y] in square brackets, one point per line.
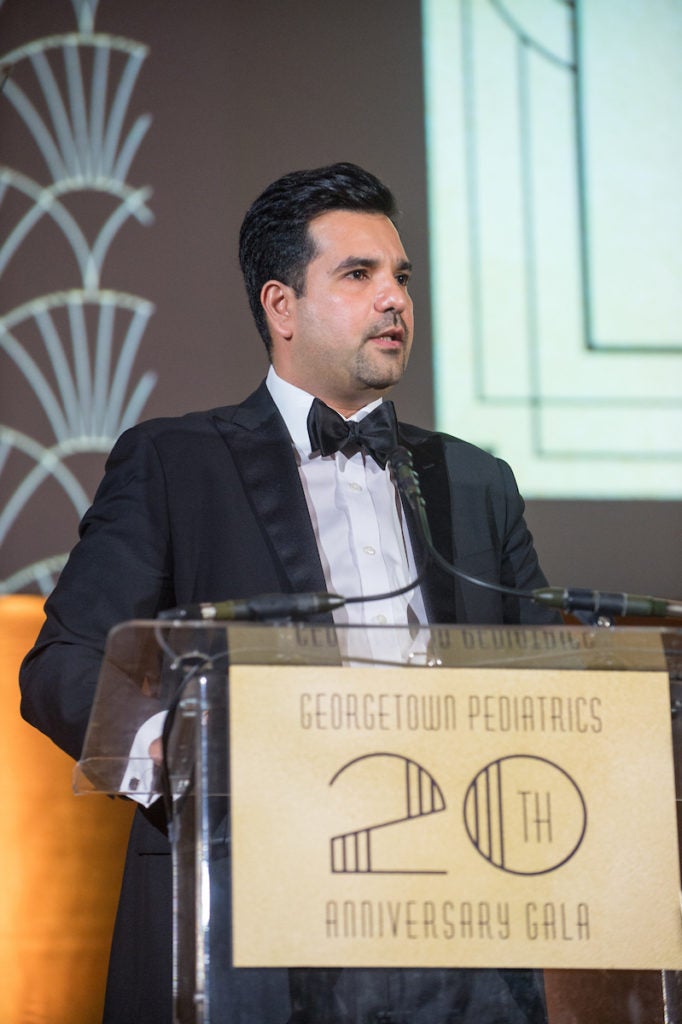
[348, 336]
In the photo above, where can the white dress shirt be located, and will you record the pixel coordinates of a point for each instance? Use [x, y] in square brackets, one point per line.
[362, 537]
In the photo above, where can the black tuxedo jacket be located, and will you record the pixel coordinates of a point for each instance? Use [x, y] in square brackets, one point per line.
[209, 507]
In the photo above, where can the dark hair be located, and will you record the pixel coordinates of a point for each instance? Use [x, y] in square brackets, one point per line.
[274, 241]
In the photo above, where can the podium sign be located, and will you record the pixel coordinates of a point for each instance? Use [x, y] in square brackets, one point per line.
[477, 817]
[462, 796]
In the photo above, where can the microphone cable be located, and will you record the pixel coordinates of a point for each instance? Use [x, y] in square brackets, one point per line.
[570, 599]
[407, 482]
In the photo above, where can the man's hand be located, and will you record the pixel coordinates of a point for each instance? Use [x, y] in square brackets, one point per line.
[156, 751]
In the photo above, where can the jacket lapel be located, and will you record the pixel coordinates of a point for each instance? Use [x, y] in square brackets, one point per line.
[261, 448]
[438, 588]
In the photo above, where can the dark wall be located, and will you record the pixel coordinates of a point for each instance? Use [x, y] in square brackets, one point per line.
[240, 93]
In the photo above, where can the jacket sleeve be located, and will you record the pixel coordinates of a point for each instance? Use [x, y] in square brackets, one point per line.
[119, 570]
[490, 540]
[520, 568]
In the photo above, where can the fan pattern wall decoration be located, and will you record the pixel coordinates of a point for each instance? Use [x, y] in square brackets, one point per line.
[71, 351]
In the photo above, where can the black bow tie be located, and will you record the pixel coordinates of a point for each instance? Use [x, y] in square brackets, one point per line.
[377, 432]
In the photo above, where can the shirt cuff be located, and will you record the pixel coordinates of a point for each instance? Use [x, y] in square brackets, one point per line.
[139, 781]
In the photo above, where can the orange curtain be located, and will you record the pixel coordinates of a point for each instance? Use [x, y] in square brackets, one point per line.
[61, 859]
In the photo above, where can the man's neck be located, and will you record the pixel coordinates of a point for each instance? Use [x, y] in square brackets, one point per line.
[346, 406]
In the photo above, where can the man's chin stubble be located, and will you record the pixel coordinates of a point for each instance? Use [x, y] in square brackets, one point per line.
[381, 378]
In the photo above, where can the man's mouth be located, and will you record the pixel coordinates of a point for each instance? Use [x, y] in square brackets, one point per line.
[392, 337]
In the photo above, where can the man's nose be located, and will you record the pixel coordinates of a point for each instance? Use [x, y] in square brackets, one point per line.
[390, 296]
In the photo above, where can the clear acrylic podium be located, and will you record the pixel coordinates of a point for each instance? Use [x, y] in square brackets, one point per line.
[171, 682]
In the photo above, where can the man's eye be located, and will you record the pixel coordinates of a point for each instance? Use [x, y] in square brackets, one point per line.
[359, 274]
[403, 280]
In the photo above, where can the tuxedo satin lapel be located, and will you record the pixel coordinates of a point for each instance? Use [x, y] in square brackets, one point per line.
[261, 448]
[429, 461]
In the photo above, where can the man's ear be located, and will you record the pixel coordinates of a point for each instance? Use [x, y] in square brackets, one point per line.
[278, 300]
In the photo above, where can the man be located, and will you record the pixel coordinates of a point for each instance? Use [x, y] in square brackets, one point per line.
[240, 501]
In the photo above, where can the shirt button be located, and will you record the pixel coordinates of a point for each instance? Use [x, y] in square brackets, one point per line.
[369, 550]
[380, 620]
[355, 487]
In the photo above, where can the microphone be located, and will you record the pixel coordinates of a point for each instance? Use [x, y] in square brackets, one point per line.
[568, 599]
[604, 603]
[407, 481]
[261, 608]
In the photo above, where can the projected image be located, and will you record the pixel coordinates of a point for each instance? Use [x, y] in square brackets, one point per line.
[555, 157]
